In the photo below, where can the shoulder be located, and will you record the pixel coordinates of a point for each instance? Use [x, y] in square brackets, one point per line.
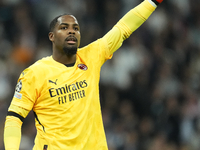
[96, 43]
[42, 63]
[94, 46]
[38, 68]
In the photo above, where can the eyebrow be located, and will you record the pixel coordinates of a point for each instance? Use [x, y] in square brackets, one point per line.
[75, 24]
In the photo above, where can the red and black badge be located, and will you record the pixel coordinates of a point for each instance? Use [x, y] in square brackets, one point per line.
[82, 67]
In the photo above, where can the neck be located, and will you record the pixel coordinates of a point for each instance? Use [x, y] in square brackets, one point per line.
[64, 59]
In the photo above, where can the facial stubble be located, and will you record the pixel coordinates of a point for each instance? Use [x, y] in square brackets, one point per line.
[70, 50]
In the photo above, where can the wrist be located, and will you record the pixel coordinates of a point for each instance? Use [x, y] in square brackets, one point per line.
[155, 2]
[152, 3]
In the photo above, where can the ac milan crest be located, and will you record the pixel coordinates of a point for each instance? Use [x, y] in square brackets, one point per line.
[82, 67]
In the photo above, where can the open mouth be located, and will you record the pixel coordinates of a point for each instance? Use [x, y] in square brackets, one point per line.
[71, 39]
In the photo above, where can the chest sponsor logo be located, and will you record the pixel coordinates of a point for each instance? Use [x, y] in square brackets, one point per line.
[69, 93]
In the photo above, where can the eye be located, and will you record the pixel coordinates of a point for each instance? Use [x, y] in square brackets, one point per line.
[76, 28]
[64, 27]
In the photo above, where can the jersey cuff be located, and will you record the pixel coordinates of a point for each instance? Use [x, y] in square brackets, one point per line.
[10, 113]
[153, 3]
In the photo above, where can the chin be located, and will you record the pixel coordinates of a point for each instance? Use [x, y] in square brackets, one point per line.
[70, 50]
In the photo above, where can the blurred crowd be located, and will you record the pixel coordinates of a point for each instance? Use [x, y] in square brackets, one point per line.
[150, 89]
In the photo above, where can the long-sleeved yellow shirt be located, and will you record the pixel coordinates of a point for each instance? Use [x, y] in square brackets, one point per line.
[66, 99]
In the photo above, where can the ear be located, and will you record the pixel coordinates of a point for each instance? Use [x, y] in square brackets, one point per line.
[51, 36]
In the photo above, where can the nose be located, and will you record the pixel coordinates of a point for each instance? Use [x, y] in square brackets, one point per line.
[71, 31]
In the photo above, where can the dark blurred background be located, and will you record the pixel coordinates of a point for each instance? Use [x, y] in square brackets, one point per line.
[149, 89]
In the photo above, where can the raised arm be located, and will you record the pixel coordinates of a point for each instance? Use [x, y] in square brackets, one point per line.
[129, 23]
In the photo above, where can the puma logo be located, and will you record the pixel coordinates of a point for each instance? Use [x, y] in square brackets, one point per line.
[50, 81]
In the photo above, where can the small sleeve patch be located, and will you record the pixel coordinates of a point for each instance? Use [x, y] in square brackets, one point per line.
[18, 86]
[18, 95]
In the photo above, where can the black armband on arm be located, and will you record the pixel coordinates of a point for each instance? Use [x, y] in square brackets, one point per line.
[10, 113]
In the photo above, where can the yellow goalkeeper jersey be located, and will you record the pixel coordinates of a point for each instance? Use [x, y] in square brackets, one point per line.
[65, 99]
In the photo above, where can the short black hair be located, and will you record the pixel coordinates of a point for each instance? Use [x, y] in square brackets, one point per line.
[54, 21]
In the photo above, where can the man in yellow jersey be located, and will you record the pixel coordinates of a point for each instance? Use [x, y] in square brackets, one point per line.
[63, 89]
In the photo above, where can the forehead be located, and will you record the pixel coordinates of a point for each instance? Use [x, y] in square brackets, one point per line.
[69, 19]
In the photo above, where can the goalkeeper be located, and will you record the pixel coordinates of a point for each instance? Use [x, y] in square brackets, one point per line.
[63, 89]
